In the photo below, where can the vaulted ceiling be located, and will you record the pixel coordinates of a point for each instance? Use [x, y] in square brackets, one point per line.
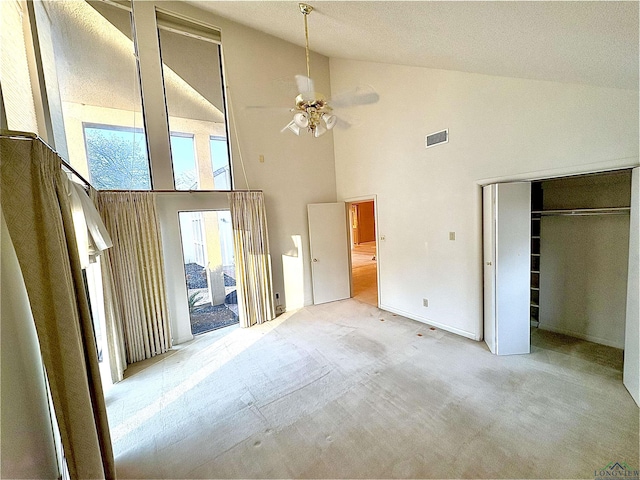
[588, 42]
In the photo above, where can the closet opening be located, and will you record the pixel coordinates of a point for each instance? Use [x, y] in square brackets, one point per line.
[579, 263]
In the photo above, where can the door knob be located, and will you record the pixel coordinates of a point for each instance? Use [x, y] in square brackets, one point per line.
[488, 263]
[315, 259]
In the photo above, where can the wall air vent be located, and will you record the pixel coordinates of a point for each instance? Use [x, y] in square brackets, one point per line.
[436, 138]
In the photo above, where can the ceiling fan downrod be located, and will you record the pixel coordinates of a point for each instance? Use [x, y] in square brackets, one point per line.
[312, 112]
[306, 10]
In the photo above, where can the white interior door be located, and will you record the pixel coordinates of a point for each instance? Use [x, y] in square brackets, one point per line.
[329, 252]
[489, 253]
[631, 372]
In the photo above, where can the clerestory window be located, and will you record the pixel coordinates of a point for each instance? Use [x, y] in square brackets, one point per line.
[195, 102]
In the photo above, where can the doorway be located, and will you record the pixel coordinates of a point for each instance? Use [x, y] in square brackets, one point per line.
[364, 251]
[209, 267]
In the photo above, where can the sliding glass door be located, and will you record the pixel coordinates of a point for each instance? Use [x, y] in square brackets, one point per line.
[207, 250]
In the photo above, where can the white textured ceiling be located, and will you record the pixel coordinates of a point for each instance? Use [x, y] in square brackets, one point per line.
[589, 42]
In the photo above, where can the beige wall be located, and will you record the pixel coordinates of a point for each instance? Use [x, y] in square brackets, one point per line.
[583, 277]
[500, 129]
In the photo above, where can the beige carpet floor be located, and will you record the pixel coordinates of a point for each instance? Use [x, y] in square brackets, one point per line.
[344, 390]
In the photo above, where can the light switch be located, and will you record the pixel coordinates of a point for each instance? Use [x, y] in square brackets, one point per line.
[261, 158]
[452, 235]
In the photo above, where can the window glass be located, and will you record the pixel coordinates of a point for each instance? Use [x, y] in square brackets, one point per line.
[99, 93]
[117, 158]
[184, 162]
[195, 103]
[220, 163]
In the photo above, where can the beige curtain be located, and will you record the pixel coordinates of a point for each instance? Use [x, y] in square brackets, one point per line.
[35, 204]
[117, 353]
[253, 264]
[133, 279]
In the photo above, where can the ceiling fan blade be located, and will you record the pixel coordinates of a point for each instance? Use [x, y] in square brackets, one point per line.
[360, 95]
[347, 119]
[346, 123]
[305, 87]
[287, 86]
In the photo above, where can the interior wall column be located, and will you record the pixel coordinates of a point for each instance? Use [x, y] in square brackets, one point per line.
[153, 98]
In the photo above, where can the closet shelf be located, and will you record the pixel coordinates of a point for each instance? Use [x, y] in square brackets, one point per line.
[583, 211]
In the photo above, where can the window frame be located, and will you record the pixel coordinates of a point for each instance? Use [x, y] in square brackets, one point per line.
[146, 46]
[182, 25]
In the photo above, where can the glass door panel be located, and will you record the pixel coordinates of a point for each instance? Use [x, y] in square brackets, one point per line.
[209, 265]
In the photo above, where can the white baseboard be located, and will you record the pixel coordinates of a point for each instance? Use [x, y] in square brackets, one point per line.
[582, 336]
[457, 331]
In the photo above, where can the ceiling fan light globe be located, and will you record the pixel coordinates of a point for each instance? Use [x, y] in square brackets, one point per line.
[293, 127]
[319, 130]
[301, 120]
[330, 120]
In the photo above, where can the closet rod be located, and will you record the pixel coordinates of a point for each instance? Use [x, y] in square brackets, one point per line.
[576, 212]
[34, 136]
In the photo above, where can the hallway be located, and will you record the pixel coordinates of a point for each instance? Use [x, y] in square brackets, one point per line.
[364, 273]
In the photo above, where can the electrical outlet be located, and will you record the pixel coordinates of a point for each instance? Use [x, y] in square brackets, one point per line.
[425, 302]
[452, 235]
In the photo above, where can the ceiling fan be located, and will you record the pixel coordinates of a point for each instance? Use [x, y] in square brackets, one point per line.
[312, 111]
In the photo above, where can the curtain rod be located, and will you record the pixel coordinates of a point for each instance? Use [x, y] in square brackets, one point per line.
[34, 136]
[177, 191]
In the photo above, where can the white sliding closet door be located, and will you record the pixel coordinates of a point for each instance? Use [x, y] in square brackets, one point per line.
[631, 372]
[507, 257]
[489, 254]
